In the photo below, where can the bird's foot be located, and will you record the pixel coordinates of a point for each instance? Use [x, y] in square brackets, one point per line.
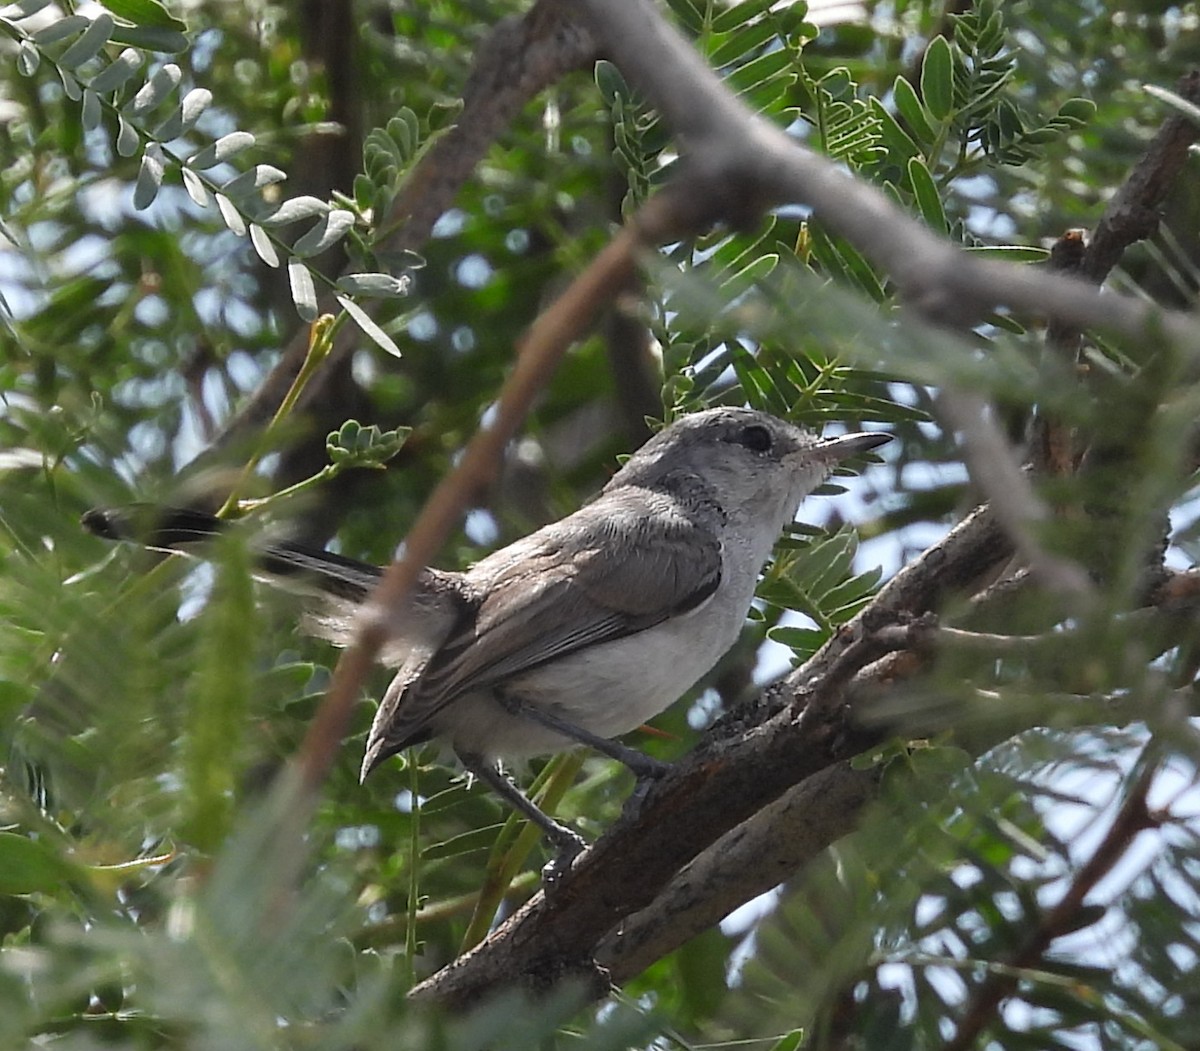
[648, 773]
[568, 846]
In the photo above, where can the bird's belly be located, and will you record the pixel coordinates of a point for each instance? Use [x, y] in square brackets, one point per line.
[608, 689]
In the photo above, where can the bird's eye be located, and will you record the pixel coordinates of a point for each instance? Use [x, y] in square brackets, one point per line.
[756, 437]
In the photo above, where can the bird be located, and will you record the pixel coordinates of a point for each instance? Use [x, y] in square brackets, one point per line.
[584, 629]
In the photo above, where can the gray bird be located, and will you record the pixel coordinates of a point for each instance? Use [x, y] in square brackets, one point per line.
[588, 627]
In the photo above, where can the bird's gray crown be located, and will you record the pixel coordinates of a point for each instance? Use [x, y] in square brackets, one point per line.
[692, 440]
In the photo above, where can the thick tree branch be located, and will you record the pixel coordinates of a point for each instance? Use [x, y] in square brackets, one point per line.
[752, 858]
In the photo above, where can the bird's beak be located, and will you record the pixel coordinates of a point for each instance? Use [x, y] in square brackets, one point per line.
[846, 445]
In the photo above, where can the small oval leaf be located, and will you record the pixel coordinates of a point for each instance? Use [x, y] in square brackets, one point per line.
[225, 147]
[255, 179]
[150, 177]
[70, 85]
[124, 66]
[326, 233]
[377, 285]
[90, 115]
[937, 78]
[370, 329]
[151, 38]
[60, 30]
[304, 295]
[144, 13]
[929, 203]
[231, 215]
[915, 115]
[295, 209]
[28, 59]
[89, 43]
[127, 137]
[157, 88]
[195, 187]
[194, 103]
[263, 245]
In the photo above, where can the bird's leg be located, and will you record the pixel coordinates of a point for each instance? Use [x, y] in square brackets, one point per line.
[567, 844]
[645, 768]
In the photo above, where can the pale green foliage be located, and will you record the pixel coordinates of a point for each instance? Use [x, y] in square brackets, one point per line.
[158, 123]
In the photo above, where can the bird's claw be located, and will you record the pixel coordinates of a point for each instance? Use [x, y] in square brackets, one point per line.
[569, 847]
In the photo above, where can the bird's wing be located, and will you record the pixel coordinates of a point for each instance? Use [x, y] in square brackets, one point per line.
[558, 591]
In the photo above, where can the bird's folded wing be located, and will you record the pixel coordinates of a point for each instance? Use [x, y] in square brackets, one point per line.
[606, 577]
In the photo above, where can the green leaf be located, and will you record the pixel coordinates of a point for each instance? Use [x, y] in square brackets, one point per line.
[734, 46]
[1078, 112]
[195, 187]
[738, 14]
[145, 13]
[789, 1041]
[609, 81]
[252, 181]
[929, 202]
[60, 30]
[370, 329]
[376, 285]
[774, 65]
[217, 152]
[91, 114]
[194, 103]
[151, 38]
[157, 88]
[89, 43]
[30, 865]
[124, 66]
[804, 642]
[918, 119]
[128, 139]
[304, 293]
[899, 143]
[937, 78]
[150, 177]
[355, 445]
[28, 58]
[295, 209]
[263, 245]
[71, 87]
[691, 14]
[330, 229]
[233, 219]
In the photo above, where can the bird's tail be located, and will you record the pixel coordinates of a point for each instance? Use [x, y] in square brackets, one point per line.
[179, 529]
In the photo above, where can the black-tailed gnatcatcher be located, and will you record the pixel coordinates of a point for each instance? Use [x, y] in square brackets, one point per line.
[591, 625]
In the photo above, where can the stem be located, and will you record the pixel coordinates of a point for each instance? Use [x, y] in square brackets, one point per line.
[320, 343]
